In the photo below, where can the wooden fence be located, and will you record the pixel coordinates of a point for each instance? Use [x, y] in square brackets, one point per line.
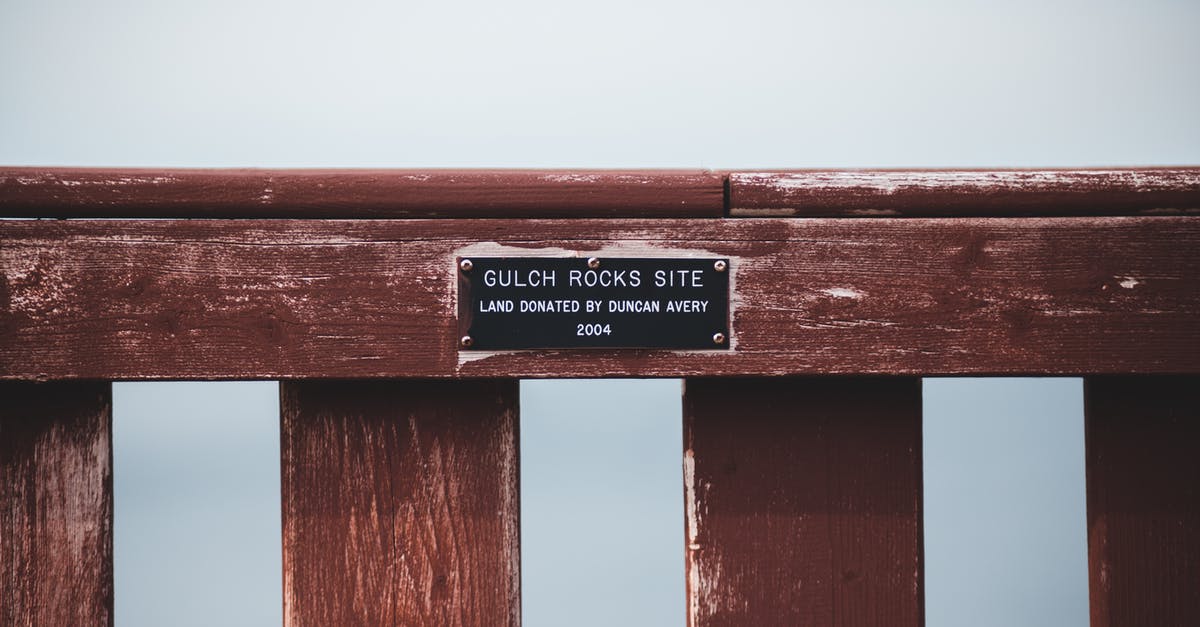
[802, 468]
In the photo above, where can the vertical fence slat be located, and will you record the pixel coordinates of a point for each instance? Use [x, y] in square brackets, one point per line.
[1143, 492]
[400, 503]
[56, 504]
[803, 501]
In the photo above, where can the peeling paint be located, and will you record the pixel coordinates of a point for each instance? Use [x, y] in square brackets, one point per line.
[844, 292]
[1129, 282]
[693, 532]
[166, 299]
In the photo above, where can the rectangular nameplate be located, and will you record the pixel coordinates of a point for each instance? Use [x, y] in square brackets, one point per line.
[508, 303]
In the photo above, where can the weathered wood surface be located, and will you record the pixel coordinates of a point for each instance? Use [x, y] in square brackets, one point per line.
[205, 299]
[56, 507]
[803, 501]
[350, 193]
[84, 192]
[400, 503]
[865, 193]
[1143, 489]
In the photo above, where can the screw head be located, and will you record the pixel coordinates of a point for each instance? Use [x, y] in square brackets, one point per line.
[593, 262]
[718, 338]
[720, 265]
[465, 265]
[466, 341]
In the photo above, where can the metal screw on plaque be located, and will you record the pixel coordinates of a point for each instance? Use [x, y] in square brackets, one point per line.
[718, 338]
[593, 262]
[466, 341]
[720, 265]
[465, 265]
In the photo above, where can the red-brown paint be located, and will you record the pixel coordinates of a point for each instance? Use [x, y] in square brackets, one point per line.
[950, 193]
[803, 502]
[330, 193]
[1143, 491]
[207, 299]
[130, 193]
[56, 504]
[400, 503]
[383, 525]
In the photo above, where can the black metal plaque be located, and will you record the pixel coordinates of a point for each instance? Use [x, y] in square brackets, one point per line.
[603, 302]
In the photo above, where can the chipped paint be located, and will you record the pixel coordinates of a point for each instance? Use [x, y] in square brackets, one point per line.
[691, 510]
[56, 527]
[166, 299]
[1129, 282]
[844, 292]
[242, 193]
[961, 193]
[403, 471]
[891, 182]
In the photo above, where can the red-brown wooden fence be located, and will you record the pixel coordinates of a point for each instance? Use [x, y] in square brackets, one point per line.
[802, 489]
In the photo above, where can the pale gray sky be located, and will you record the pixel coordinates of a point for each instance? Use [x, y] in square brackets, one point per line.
[614, 84]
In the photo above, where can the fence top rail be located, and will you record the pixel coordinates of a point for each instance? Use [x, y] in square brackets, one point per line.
[40, 192]
[341, 193]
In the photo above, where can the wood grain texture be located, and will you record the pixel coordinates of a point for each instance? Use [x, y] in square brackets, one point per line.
[1143, 490]
[207, 299]
[56, 507]
[84, 192]
[803, 501]
[297, 193]
[400, 503]
[997, 193]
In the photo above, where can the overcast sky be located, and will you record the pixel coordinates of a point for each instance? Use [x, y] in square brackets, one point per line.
[612, 84]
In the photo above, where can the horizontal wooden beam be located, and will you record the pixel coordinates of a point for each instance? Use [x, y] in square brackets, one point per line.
[934, 193]
[211, 299]
[254, 193]
[249, 193]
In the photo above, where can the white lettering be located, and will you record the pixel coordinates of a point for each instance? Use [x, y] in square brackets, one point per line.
[633, 306]
[486, 306]
[549, 306]
[687, 306]
[517, 278]
[679, 278]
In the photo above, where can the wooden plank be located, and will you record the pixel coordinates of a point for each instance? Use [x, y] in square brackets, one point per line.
[1143, 490]
[803, 501]
[56, 507]
[206, 299]
[330, 193]
[129, 193]
[400, 503]
[995, 193]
